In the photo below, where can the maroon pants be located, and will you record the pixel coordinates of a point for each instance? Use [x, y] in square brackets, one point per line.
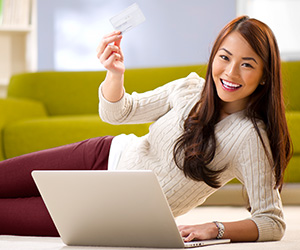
[22, 211]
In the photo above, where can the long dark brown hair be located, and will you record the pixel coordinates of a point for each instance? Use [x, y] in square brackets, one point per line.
[198, 142]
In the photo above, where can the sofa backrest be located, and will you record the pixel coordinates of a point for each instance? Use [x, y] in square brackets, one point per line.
[62, 93]
[69, 93]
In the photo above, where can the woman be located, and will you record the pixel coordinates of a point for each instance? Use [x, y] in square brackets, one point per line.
[204, 134]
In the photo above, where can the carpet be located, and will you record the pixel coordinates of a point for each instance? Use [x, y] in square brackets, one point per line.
[291, 240]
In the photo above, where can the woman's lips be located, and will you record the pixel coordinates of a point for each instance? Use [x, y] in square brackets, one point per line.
[229, 86]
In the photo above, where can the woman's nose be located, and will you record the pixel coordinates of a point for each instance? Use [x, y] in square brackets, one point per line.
[232, 69]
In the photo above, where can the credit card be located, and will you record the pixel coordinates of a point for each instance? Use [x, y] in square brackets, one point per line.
[128, 18]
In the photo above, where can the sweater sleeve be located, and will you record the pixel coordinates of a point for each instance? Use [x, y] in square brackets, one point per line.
[254, 170]
[149, 106]
[137, 108]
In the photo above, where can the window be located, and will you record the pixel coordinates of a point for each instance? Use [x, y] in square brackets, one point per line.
[282, 16]
[175, 32]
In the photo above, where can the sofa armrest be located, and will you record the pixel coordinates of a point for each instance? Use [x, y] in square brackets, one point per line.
[12, 109]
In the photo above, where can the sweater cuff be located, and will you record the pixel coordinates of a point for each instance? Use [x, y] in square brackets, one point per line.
[267, 230]
[107, 106]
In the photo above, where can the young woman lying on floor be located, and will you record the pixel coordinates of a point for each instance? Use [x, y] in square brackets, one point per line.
[204, 134]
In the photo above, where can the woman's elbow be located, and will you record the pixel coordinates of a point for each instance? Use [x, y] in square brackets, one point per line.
[276, 233]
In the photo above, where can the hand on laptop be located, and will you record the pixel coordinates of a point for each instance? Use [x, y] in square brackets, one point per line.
[205, 231]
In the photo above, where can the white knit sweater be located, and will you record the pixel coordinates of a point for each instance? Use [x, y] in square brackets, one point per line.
[238, 147]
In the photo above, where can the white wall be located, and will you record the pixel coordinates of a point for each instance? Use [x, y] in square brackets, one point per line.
[176, 32]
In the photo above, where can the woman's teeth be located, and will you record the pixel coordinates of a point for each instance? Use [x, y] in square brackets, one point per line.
[230, 85]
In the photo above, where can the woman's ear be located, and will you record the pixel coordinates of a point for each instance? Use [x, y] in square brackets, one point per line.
[263, 79]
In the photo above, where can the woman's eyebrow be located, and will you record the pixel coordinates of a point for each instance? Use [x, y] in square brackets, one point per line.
[249, 58]
[226, 51]
[244, 58]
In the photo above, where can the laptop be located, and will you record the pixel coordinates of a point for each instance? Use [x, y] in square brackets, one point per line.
[111, 208]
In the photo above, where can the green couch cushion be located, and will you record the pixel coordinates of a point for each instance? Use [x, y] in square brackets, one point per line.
[13, 109]
[37, 134]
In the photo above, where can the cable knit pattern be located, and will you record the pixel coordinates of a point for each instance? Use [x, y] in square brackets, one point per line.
[238, 147]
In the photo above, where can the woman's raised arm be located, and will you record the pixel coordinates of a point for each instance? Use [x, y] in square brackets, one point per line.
[110, 55]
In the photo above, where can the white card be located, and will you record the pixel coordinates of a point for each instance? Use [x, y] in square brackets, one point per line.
[128, 18]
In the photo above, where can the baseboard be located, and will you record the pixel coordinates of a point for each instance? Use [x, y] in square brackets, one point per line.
[233, 195]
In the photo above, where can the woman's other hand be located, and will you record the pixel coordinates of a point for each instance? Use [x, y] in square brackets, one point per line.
[198, 232]
[243, 230]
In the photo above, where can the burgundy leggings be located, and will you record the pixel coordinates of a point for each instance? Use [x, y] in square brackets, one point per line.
[22, 211]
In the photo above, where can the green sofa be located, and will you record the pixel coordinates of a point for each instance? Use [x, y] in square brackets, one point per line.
[49, 109]
[291, 89]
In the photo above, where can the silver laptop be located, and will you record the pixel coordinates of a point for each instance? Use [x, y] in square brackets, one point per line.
[111, 208]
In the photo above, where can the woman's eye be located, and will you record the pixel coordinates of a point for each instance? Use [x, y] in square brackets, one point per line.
[247, 65]
[224, 57]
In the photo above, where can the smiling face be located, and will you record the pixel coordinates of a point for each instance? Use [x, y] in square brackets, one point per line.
[237, 71]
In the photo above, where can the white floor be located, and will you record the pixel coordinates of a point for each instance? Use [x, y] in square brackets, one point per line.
[291, 240]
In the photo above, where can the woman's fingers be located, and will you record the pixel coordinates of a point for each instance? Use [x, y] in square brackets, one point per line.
[108, 51]
[198, 232]
[118, 42]
[110, 54]
[114, 37]
[112, 59]
[110, 62]
[185, 232]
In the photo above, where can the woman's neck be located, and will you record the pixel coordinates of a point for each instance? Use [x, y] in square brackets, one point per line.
[230, 108]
